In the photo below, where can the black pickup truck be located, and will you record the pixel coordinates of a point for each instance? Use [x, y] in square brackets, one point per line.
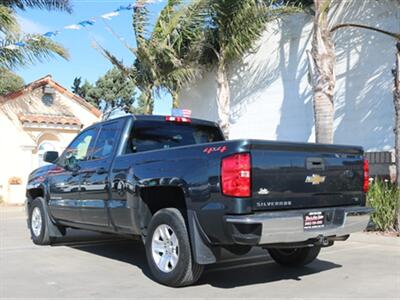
[188, 193]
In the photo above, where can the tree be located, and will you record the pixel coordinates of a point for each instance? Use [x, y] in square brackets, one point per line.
[142, 106]
[167, 57]
[231, 28]
[322, 75]
[82, 90]
[37, 48]
[188, 37]
[179, 32]
[76, 86]
[9, 82]
[111, 90]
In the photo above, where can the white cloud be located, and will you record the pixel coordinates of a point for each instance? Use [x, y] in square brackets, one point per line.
[29, 26]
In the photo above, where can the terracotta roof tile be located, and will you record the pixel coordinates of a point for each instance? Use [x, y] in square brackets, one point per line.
[48, 80]
[49, 119]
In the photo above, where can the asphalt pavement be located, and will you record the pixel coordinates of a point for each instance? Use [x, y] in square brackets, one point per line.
[90, 265]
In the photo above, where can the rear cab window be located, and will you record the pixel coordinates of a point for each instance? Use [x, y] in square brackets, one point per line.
[152, 135]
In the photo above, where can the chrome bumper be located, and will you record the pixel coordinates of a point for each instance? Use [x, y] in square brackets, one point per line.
[288, 226]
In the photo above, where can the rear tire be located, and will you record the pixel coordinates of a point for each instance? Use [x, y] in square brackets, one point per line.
[38, 223]
[294, 257]
[168, 250]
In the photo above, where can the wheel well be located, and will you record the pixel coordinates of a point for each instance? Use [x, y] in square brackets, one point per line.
[34, 193]
[156, 198]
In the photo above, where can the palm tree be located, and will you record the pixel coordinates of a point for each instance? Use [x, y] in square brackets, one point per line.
[179, 35]
[231, 28]
[36, 47]
[322, 62]
[167, 57]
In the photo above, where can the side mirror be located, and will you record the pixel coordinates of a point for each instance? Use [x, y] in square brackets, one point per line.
[50, 156]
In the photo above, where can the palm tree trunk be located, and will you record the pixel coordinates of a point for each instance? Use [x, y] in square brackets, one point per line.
[175, 99]
[322, 76]
[148, 103]
[223, 97]
[396, 100]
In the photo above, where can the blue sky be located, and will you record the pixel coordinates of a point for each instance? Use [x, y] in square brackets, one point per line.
[85, 61]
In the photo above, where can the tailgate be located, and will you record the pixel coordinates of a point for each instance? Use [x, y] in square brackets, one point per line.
[292, 175]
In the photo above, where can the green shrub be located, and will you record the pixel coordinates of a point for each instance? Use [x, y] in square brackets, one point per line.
[384, 198]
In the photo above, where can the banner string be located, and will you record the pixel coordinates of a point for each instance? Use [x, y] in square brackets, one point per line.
[82, 24]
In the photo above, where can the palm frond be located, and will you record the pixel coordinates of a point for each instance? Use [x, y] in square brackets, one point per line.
[36, 49]
[128, 72]
[140, 22]
[240, 23]
[8, 22]
[64, 5]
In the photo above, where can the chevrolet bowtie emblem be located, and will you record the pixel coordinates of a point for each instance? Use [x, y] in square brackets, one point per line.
[315, 179]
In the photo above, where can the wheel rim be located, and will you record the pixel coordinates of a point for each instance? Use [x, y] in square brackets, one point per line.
[165, 248]
[36, 221]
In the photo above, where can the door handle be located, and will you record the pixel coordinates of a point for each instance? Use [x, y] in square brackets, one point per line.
[315, 163]
[101, 171]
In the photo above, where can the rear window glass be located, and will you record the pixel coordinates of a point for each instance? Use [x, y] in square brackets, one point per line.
[152, 135]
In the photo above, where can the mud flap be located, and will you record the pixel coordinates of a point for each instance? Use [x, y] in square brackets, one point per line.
[54, 231]
[202, 253]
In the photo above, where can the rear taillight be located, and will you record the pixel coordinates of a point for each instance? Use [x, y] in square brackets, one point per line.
[236, 175]
[366, 176]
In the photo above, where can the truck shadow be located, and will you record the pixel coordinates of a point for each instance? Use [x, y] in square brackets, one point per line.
[266, 271]
[233, 271]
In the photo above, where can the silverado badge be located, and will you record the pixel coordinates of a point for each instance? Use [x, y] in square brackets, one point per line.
[315, 179]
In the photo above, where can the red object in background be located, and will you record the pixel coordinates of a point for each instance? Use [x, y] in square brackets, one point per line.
[366, 176]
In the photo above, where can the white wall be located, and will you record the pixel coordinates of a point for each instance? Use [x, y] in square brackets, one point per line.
[270, 94]
[19, 146]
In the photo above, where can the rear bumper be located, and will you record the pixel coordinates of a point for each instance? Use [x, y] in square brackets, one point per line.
[288, 226]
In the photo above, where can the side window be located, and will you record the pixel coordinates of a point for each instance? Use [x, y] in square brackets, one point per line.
[80, 148]
[107, 141]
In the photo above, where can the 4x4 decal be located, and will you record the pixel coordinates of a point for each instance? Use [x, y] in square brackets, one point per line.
[220, 149]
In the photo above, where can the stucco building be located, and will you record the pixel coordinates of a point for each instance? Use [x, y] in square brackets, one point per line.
[41, 116]
[272, 99]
